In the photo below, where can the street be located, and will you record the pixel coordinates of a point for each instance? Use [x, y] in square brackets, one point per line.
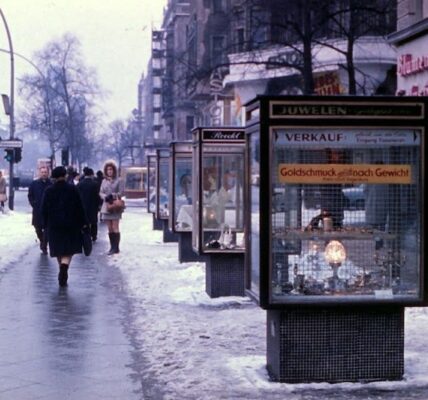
[71, 343]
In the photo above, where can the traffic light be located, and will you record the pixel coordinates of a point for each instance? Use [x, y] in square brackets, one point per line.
[9, 157]
[17, 155]
[64, 157]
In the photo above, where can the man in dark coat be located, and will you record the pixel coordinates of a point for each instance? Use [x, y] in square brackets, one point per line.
[36, 191]
[90, 194]
[64, 218]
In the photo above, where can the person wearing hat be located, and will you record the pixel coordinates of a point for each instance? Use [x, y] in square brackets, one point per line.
[64, 218]
[89, 192]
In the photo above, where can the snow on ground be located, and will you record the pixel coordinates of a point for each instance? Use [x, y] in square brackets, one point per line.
[196, 344]
[16, 236]
[198, 347]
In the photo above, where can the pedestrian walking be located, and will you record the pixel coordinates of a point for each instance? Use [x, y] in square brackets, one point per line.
[111, 189]
[99, 178]
[64, 218]
[89, 192]
[3, 196]
[36, 191]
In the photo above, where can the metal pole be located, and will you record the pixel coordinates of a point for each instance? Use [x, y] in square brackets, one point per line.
[12, 108]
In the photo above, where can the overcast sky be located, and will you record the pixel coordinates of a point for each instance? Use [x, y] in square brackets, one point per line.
[115, 37]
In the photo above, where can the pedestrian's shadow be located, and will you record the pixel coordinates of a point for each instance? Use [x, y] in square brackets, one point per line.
[66, 313]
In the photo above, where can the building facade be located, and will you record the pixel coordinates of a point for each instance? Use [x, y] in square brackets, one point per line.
[211, 56]
[411, 42]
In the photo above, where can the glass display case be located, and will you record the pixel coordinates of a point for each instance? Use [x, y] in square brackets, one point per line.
[163, 160]
[181, 215]
[151, 183]
[218, 167]
[337, 216]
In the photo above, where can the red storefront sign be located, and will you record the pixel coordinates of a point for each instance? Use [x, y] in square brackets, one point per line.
[409, 65]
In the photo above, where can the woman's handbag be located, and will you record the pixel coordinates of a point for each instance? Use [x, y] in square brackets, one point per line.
[86, 242]
[116, 206]
[3, 197]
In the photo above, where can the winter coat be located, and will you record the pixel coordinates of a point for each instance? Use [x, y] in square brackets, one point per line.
[3, 196]
[64, 217]
[115, 188]
[90, 196]
[36, 191]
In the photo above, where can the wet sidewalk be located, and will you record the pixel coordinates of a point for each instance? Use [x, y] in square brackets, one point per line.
[66, 343]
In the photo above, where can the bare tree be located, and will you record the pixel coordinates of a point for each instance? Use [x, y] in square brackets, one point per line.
[123, 141]
[293, 26]
[350, 20]
[60, 98]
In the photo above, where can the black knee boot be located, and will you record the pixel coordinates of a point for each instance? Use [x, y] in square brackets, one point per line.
[63, 275]
[117, 234]
[112, 237]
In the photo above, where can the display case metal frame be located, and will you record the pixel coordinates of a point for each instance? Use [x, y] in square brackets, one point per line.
[224, 266]
[265, 116]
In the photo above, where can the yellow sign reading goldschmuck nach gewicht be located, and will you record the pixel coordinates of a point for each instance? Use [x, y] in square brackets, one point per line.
[345, 173]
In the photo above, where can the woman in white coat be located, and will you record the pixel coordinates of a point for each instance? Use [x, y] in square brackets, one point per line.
[111, 189]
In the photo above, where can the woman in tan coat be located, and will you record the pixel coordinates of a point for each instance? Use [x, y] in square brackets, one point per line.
[111, 189]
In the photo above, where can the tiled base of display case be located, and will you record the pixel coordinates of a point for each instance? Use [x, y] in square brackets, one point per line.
[157, 223]
[330, 345]
[224, 275]
[168, 236]
[185, 249]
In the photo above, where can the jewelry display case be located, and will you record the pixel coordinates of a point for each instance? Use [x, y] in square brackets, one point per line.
[181, 211]
[335, 227]
[180, 218]
[151, 190]
[218, 206]
[218, 163]
[339, 203]
[163, 199]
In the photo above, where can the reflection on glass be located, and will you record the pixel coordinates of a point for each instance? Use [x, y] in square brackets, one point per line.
[345, 219]
[222, 181]
[151, 184]
[163, 201]
[183, 195]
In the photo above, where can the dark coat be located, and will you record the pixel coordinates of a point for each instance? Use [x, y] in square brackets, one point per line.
[35, 196]
[64, 216]
[91, 199]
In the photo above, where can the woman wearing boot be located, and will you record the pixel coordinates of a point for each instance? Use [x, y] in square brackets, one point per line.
[111, 189]
[64, 218]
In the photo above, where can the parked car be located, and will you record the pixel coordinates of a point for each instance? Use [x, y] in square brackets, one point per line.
[354, 197]
[24, 178]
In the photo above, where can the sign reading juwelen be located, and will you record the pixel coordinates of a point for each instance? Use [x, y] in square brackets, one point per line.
[342, 173]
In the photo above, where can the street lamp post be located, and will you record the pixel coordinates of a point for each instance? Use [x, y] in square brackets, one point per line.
[12, 107]
[45, 82]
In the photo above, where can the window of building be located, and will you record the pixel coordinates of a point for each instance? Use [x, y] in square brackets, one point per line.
[217, 49]
[259, 27]
[239, 40]
[192, 58]
[190, 123]
[218, 6]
